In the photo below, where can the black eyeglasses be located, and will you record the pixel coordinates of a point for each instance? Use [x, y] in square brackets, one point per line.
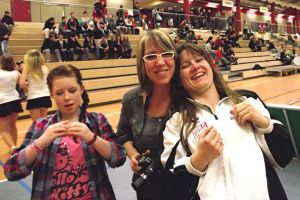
[154, 57]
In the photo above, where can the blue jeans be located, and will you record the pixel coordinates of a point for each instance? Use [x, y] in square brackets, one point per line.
[4, 47]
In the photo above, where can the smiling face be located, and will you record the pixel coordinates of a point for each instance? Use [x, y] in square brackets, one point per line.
[67, 94]
[159, 71]
[196, 75]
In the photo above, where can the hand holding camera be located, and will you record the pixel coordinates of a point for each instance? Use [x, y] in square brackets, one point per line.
[135, 166]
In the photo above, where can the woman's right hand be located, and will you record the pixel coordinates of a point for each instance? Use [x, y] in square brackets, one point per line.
[52, 132]
[209, 147]
[135, 163]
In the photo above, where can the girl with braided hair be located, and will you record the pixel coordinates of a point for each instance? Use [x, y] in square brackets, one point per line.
[66, 151]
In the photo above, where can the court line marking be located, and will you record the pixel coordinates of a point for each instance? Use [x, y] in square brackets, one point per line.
[20, 182]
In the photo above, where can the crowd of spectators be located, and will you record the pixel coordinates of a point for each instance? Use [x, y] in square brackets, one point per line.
[103, 36]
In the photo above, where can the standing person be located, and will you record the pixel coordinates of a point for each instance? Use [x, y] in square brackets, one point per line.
[4, 36]
[146, 108]
[136, 13]
[223, 136]
[10, 103]
[33, 81]
[8, 21]
[72, 142]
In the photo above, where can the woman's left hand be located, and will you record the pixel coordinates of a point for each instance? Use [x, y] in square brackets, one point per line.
[80, 130]
[244, 112]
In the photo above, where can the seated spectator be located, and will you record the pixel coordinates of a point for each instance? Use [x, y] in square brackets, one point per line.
[100, 28]
[103, 47]
[255, 44]
[65, 53]
[112, 46]
[8, 21]
[177, 40]
[4, 36]
[128, 24]
[209, 47]
[291, 40]
[75, 47]
[191, 38]
[85, 20]
[63, 27]
[111, 26]
[271, 45]
[281, 49]
[121, 26]
[74, 25]
[233, 38]
[230, 55]
[126, 49]
[119, 44]
[182, 31]
[219, 42]
[90, 46]
[50, 47]
[50, 26]
[286, 58]
[223, 63]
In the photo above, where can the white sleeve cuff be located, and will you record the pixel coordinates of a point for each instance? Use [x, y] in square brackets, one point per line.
[264, 130]
[191, 169]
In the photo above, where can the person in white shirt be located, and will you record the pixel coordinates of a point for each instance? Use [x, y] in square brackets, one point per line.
[221, 133]
[33, 81]
[10, 103]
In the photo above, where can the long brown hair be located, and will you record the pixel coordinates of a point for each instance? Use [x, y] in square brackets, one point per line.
[186, 107]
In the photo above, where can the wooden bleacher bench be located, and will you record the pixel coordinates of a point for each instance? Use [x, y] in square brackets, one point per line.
[256, 59]
[248, 66]
[282, 70]
[96, 64]
[252, 54]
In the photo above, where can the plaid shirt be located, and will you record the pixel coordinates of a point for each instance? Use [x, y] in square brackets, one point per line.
[42, 168]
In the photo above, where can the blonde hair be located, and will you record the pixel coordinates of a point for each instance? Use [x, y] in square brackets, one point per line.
[152, 39]
[34, 61]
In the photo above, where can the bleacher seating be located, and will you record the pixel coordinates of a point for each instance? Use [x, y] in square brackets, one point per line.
[27, 36]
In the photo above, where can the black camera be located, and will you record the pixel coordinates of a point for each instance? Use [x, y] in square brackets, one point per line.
[149, 168]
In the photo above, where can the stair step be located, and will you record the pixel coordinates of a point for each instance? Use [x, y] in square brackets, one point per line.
[232, 79]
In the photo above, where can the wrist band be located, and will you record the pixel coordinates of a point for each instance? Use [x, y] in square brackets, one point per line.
[93, 140]
[37, 147]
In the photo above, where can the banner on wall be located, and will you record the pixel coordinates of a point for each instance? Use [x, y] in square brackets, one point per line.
[227, 3]
[263, 9]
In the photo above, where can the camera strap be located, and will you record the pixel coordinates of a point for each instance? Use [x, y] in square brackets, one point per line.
[170, 161]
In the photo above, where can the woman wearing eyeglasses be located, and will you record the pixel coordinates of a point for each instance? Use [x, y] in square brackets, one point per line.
[146, 109]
